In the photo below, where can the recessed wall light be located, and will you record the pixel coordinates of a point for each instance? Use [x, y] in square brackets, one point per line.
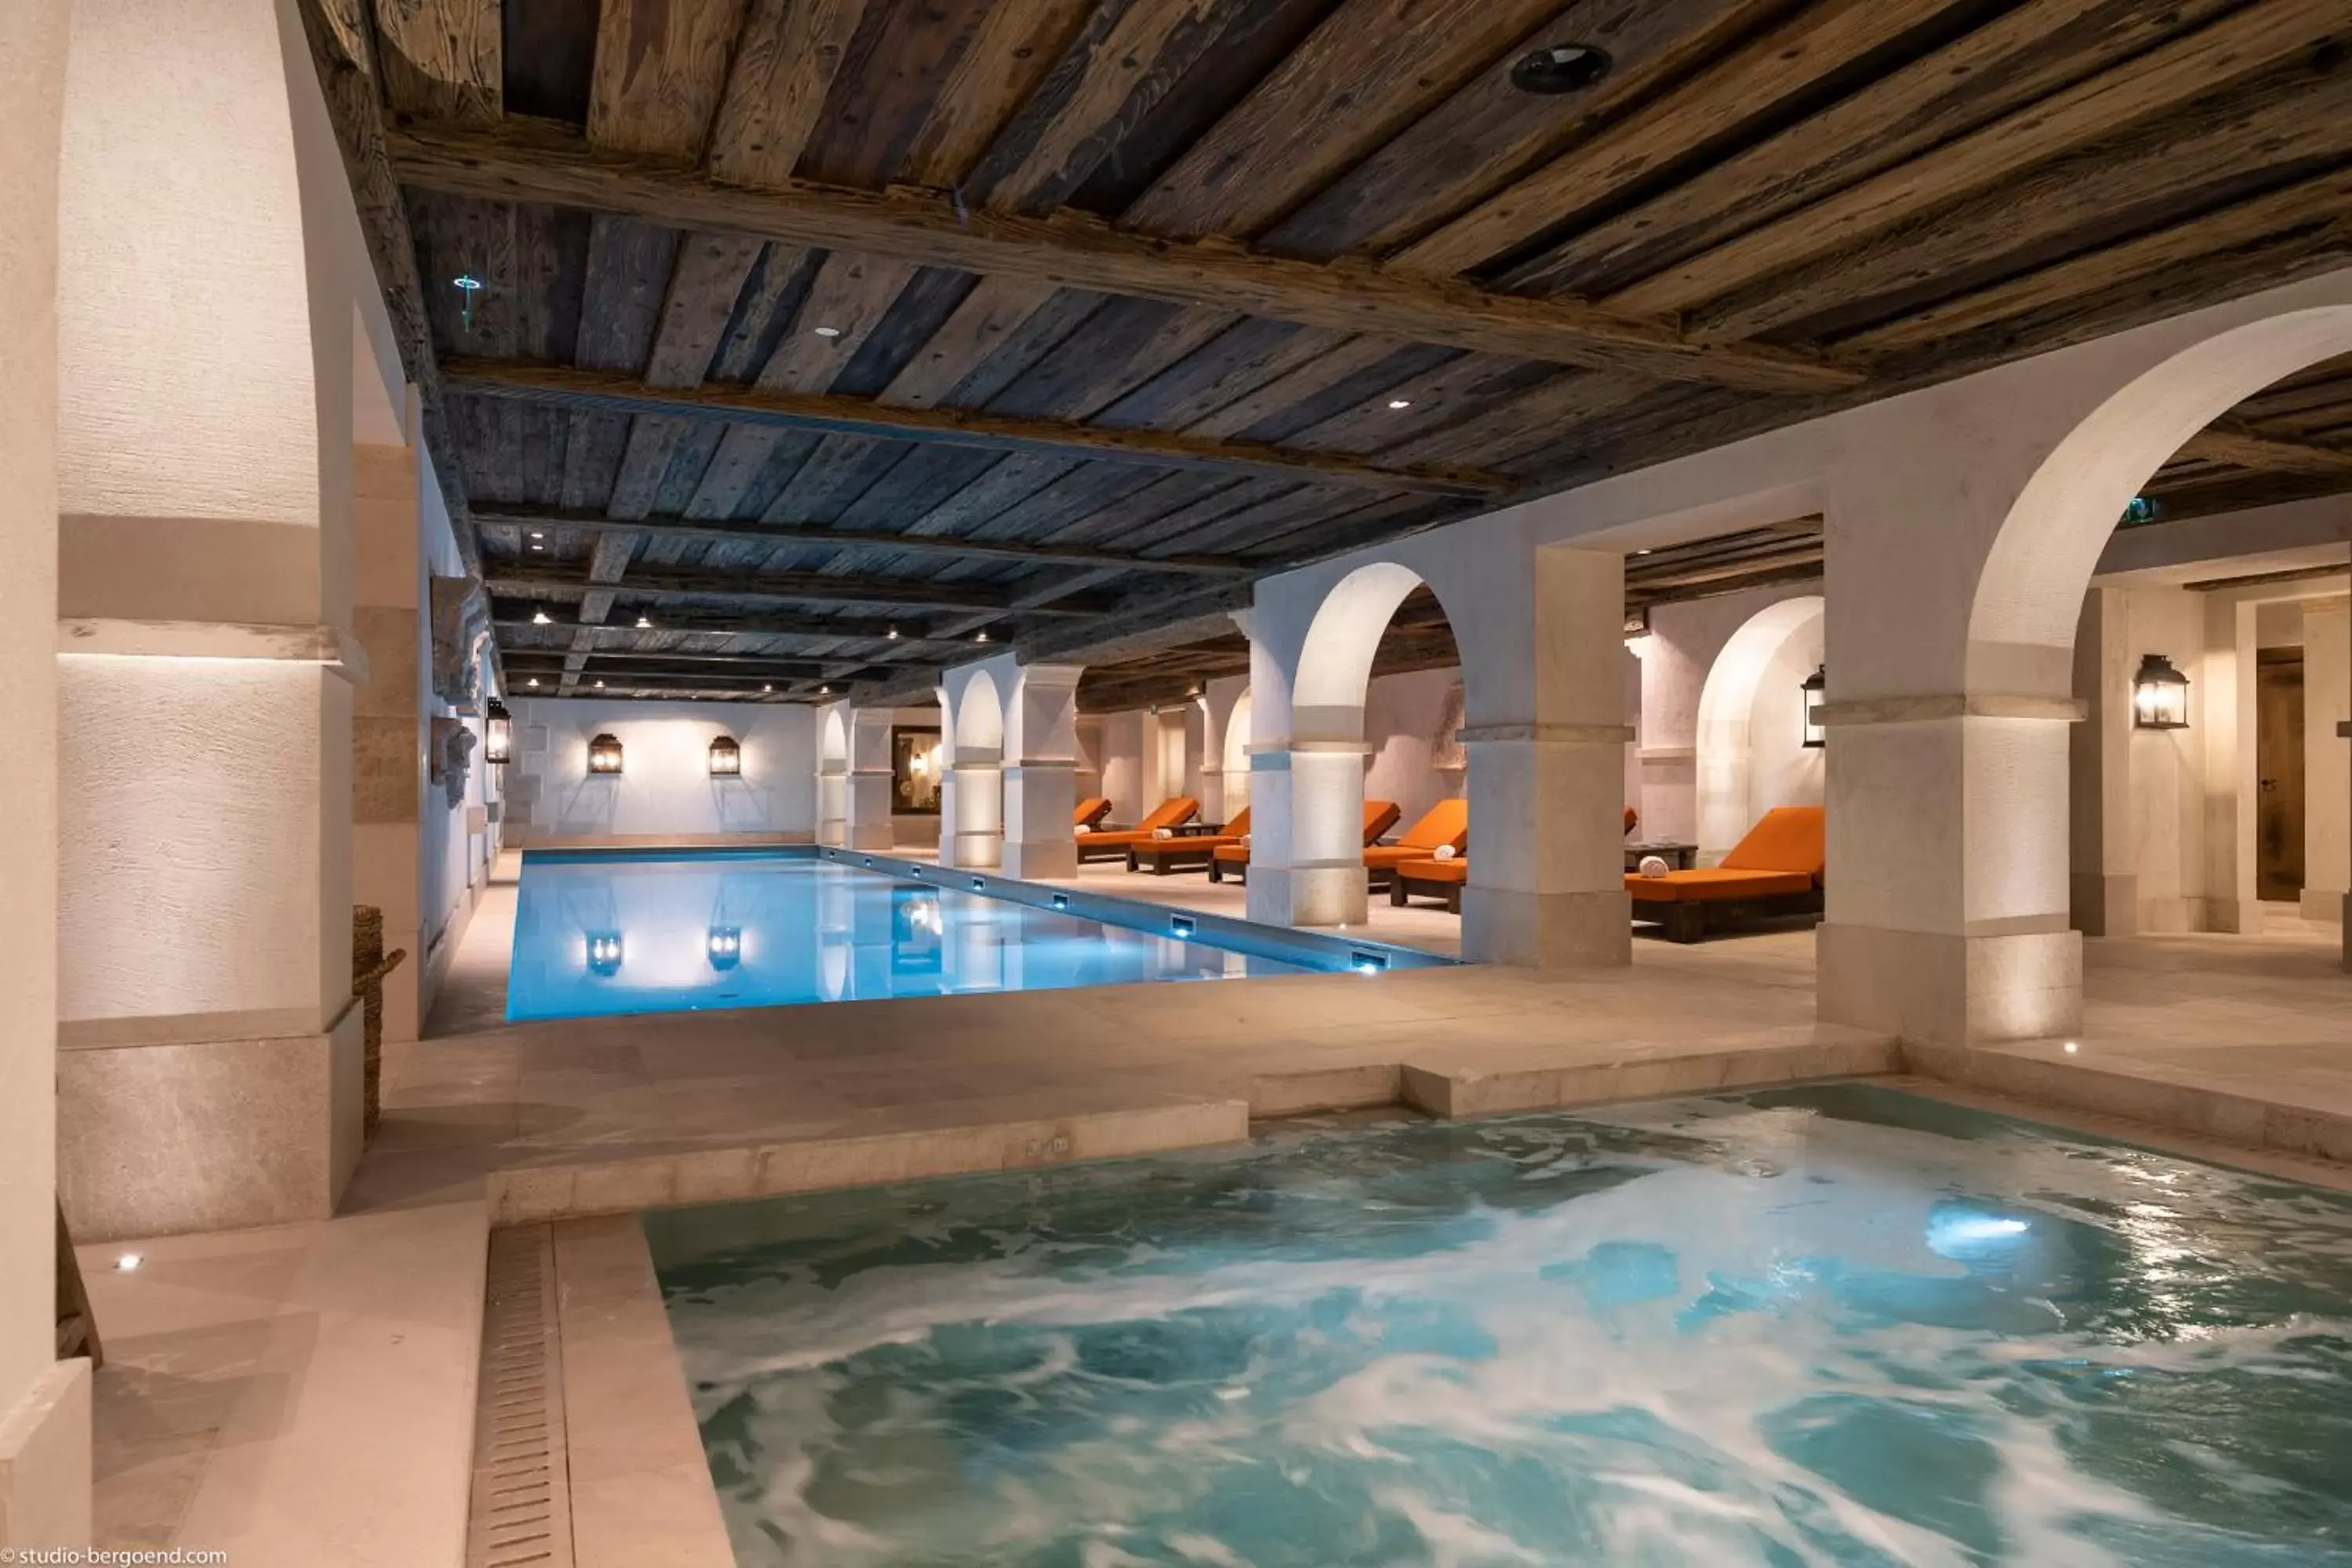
[539, 549]
[828, 331]
[1400, 403]
[536, 534]
[1560, 69]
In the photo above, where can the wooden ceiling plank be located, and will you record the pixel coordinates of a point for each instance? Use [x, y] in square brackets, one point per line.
[1120, 347]
[466, 236]
[2136, 172]
[2265, 34]
[661, 65]
[995, 308]
[2011, 60]
[787, 533]
[724, 624]
[850, 297]
[709, 279]
[1543, 414]
[1247, 357]
[1434, 403]
[1488, 134]
[799, 587]
[1340, 358]
[1126, 56]
[784, 65]
[445, 58]
[998, 70]
[535, 163]
[1819, 40]
[1369, 70]
[2111, 267]
[2243, 448]
[576, 388]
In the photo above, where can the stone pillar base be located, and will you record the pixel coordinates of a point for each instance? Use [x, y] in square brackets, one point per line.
[2103, 903]
[1308, 894]
[161, 1134]
[44, 1468]
[1935, 989]
[1054, 858]
[1548, 930]
[2325, 904]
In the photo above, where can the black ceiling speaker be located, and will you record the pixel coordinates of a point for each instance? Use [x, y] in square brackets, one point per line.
[1562, 68]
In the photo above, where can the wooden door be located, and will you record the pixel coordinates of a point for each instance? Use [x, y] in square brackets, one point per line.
[2279, 764]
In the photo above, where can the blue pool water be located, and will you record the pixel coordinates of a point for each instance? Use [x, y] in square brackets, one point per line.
[607, 933]
[1834, 1325]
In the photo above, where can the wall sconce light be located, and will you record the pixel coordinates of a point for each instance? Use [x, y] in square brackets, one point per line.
[726, 758]
[726, 946]
[1816, 691]
[604, 754]
[498, 734]
[2160, 695]
[605, 952]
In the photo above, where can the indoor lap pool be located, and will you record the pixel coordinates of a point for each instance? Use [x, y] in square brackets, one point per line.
[1830, 1324]
[604, 932]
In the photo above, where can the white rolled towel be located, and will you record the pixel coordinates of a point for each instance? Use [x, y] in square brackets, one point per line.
[1443, 852]
[1654, 866]
[1163, 833]
[1086, 827]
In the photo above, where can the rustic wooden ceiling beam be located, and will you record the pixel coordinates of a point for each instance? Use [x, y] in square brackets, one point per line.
[783, 588]
[848, 538]
[516, 160]
[567, 387]
[750, 626]
[2242, 449]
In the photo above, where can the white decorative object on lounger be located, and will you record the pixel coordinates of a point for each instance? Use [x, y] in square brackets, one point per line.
[1654, 866]
[1163, 833]
[1443, 852]
[1086, 827]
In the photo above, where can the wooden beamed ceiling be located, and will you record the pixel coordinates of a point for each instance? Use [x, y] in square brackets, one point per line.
[1056, 321]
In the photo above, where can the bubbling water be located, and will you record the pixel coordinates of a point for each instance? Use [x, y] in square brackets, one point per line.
[1836, 1325]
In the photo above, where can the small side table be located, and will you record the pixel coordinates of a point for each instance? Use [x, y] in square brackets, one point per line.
[1678, 857]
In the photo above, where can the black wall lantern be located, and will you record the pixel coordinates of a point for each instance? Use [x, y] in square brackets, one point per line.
[2160, 695]
[1816, 691]
[604, 754]
[726, 758]
[498, 734]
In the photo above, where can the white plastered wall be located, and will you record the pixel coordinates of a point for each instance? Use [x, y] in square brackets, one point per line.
[666, 788]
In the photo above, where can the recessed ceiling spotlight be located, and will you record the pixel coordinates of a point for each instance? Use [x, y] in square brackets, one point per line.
[824, 691]
[645, 624]
[536, 534]
[1400, 403]
[600, 685]
[828, 331]
[539, 547]
[128, 1262]
[541, 618]
[532, 681]
[890, 636]
[1561, 68]
[767, 688]
[981, 637]
[1641, 552]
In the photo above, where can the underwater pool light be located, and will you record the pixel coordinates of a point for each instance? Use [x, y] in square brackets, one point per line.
[1183, 925]
[1364, 962]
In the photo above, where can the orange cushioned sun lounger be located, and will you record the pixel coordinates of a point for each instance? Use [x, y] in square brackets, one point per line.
[1776, 869]
[1162, 856]
[1447, 822]
[1441, 880]
[1115, 845]
[1090, 811]
[1233, 859]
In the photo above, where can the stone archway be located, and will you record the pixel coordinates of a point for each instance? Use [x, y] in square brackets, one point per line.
[1742, 721]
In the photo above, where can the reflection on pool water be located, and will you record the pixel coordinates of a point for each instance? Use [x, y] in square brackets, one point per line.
[1834, 1325]
[610, 933]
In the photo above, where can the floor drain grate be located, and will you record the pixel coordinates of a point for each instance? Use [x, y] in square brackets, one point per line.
[520, 1515]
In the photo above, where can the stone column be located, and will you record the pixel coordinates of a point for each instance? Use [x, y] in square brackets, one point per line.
[2103, 884]
[977, 840]
[833, 725]
[388, 771]
[1307, 850]
[866, 818]
[45, 1403]
[2327, 706]
[212, 1074]
[2232, 779]
[1040, 738]
[1546, 790]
